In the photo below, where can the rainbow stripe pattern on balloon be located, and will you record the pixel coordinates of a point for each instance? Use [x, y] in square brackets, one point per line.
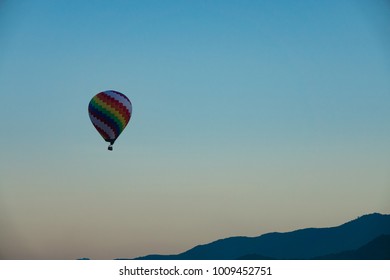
[110, 111]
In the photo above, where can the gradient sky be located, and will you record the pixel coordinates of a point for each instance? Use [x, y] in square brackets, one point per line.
[248, 117]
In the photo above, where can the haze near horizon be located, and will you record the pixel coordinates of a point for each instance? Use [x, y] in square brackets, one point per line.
[248, 117]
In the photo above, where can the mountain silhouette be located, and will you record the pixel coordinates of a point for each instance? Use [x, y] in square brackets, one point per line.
[300, 244]
[254, 257]
[377, 249]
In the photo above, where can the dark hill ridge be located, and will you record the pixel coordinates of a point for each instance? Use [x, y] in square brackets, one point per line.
[300, 244]
[377, 249]
[254, 257]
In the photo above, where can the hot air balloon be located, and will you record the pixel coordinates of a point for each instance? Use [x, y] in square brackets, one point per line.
[110, 111]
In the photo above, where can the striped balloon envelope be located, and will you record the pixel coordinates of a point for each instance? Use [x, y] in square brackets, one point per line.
[110, 111]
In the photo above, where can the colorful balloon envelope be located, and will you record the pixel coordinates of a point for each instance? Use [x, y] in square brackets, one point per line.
[110, 112]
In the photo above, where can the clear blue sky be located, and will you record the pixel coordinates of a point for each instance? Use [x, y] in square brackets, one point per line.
[248, 117]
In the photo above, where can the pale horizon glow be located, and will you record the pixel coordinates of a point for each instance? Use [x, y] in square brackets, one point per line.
[248, 117]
